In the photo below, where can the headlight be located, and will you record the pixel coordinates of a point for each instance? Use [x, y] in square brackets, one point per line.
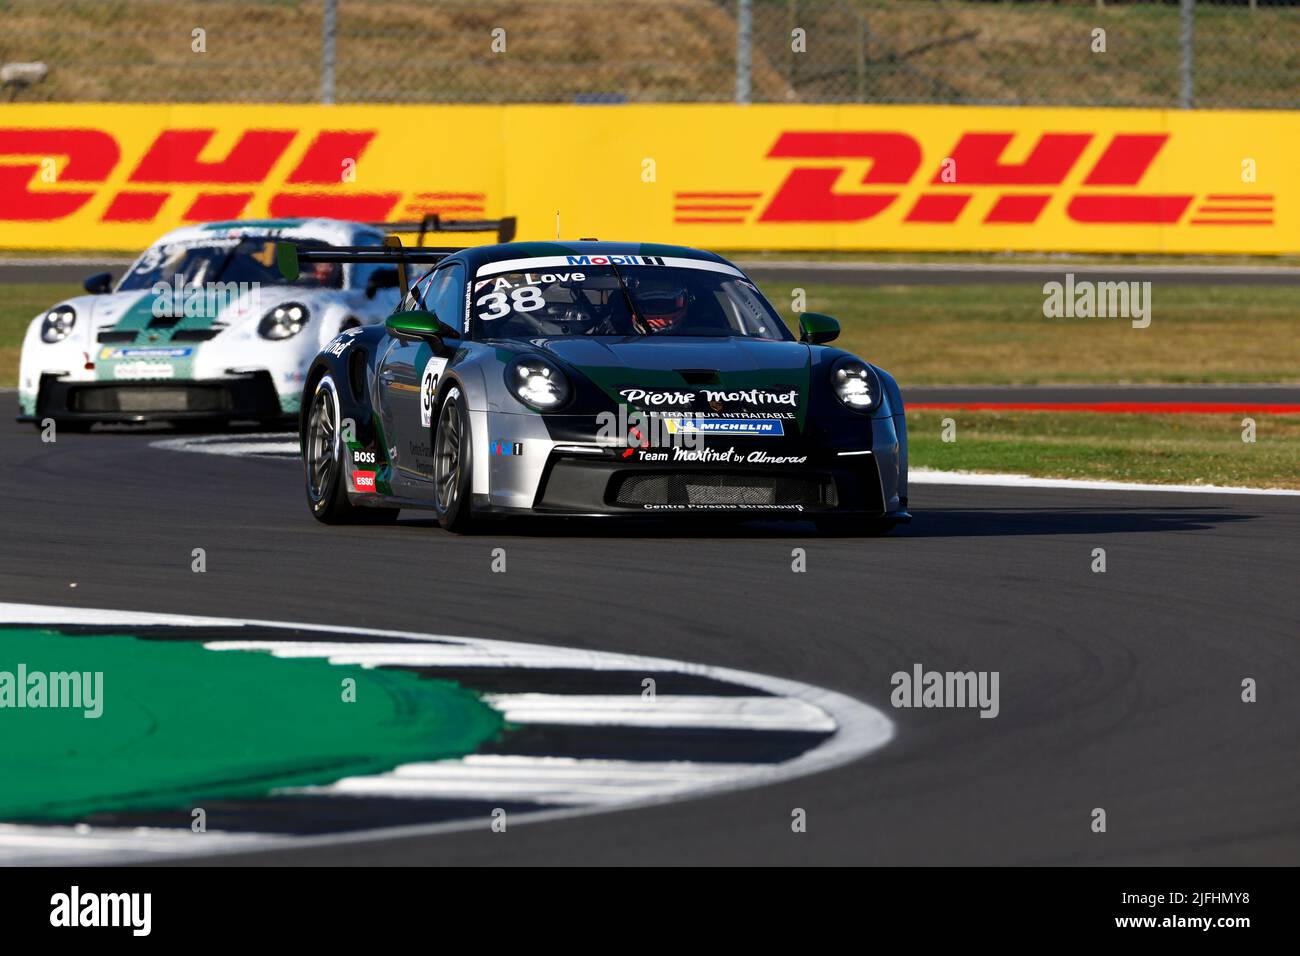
[537, 383]
[284, 321]
[856, 384]
[58, 323]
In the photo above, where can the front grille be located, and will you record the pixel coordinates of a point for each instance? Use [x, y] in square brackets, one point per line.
[109, 335]
[704, 489]
[151, 398]
[195, 335]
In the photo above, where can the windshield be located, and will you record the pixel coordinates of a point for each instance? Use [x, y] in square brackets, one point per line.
[247, 259]
[571, 295]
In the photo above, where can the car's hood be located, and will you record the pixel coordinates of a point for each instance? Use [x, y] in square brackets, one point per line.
[139, 309]
[689, 374]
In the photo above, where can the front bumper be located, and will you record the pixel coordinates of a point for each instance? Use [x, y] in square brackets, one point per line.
[527, 466]
[608, 485]
[245, 397]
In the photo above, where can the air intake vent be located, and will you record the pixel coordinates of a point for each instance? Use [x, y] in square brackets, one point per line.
[699, 376]
[703, 489]
[194, 335]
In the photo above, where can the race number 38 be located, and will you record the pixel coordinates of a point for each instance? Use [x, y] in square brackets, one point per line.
[429, 387]
[525, 299]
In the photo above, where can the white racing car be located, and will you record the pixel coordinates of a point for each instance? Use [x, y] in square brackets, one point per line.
[204, 326]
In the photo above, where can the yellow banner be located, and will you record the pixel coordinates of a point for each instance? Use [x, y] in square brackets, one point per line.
[713, 176]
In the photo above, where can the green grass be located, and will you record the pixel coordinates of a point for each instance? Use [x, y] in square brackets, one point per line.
[1162, 449]
[997, 334]
[20, 302]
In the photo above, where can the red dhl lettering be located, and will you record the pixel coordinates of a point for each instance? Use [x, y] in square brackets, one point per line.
[88, 157]
[808, 194]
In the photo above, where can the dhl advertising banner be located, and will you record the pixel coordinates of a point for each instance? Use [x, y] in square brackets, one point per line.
[717, 176]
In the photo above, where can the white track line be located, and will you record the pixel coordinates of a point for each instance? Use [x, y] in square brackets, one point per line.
[451, 654]
[925, 476]
[545, 780]
[24, 845]
[252, 444]
[664, 710]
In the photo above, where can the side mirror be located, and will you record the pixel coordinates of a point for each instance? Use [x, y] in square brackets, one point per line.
[420, 324]
[817, 328]
[380, 279]
[99, 283]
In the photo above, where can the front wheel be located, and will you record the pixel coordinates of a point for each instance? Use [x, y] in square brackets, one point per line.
[323, 459]
[452, 462]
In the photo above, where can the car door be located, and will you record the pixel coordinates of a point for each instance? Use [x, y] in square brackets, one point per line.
[408, 374]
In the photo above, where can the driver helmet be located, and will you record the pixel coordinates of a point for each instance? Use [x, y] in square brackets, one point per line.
[663, 306]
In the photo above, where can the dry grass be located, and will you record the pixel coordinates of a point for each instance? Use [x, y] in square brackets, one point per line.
[388, 50]
[650, 50]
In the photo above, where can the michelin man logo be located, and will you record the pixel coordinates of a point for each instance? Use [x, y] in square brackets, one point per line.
[428, 386]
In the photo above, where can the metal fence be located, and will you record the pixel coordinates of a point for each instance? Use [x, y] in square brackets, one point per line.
[1210, 53]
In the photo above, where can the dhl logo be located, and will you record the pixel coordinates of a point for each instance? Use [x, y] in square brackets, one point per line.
[314, 185]
[897, 179]
[851, 177]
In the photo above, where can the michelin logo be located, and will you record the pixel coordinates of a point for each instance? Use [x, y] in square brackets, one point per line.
[762, 427]
[144, 353]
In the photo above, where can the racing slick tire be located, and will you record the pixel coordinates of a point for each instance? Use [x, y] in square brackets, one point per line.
[453, 463]
[324, 465]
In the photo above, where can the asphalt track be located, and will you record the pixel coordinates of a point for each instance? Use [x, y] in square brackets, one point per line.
[1118, 690]
[74, 270]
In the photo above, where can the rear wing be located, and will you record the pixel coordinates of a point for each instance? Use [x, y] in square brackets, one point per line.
[504, 228]
[288, 257]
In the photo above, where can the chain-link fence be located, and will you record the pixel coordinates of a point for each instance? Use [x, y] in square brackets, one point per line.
[1218, 53]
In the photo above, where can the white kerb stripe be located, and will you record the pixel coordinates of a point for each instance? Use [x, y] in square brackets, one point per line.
[451, 654]
[547, 780]
[665, 710]
[925, 476]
